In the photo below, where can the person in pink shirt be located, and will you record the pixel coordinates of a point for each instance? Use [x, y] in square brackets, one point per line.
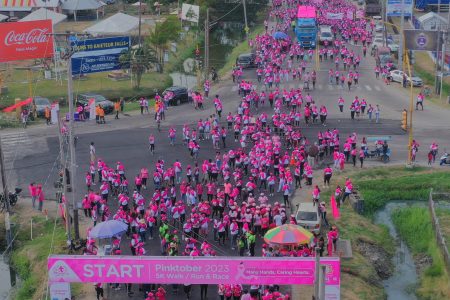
[33, 193]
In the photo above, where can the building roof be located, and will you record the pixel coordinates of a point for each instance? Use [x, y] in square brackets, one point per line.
[74, 5]
[44, 14]
[119, 23]
[431, 15]
[47, 3]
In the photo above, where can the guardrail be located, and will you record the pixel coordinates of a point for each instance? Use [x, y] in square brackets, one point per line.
[437, 229]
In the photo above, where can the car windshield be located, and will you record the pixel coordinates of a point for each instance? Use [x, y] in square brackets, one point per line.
[326, 34]
[307, 216]
[307, 29]
[41, 101]
[98, 98]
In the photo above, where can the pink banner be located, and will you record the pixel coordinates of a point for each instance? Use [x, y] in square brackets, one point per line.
[192, 270]
[334, 208]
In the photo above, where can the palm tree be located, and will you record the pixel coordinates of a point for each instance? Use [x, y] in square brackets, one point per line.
[138, 60]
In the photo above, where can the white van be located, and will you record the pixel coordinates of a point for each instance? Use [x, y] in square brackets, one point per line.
[325, 34]
[308, 217]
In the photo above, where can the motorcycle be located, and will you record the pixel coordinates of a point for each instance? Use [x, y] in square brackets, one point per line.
[13, 198]
[445, 160]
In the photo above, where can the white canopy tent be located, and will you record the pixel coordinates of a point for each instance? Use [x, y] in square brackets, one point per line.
[119, 23]
[44, 14]
[72, 6]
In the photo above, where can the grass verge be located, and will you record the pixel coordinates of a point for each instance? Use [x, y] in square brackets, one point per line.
[414, 226]
[359, 279]
[94, 83]
[381, 185]
[30, 256]
[444, 221]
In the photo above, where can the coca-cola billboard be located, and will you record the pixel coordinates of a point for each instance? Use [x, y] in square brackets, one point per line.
[26, 40]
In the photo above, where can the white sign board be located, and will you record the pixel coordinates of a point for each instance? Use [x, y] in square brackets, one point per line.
[335, 16]
[394, 8]
[190, 12]
[60, 291]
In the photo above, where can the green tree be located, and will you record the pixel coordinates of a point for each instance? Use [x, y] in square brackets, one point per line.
[162, 34]
[138, 60]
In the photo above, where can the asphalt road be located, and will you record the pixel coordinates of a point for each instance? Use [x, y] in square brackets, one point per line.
[125, 140]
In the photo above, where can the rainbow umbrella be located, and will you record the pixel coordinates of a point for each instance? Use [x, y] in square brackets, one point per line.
[288, 234]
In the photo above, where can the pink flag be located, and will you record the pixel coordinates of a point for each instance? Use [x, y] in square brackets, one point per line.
[334, 208]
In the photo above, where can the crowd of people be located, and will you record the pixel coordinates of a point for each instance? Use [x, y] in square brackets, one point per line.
[226, 203]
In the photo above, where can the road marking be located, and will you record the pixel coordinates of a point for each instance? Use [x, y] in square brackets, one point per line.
[330, 87]
[377, 88]
[234, 88]
[12, 144]
[368, 88]
[319, 86]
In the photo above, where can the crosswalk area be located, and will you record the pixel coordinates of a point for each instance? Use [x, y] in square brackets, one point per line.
[321, 87]
[12, 145]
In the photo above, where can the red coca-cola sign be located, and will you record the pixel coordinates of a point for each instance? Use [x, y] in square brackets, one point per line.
[26, 40]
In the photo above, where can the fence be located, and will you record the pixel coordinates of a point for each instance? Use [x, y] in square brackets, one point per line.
[437, 229]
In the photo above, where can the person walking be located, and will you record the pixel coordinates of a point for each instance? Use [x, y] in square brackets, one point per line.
[99, 291]
[377, 114]
[361, 156]
[92, 152]
[117, 109]
[47, 114]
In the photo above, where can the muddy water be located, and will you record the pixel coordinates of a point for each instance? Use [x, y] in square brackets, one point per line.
[400, 286]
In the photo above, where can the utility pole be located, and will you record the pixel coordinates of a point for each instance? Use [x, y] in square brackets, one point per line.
[323, 271]
[72, 149]
[64, 183]
[444, 44]
[207, 45]
[140, 17]
[317, 274]
[402, 39]
[245, 19]
[6, 198]
[436, 78]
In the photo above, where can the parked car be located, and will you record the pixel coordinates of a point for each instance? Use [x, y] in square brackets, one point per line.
[308, 217]
[180, 95]
[83, 99]
[41, 103]
[246, 60]
[397, 76]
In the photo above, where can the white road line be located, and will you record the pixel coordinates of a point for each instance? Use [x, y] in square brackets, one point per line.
[368, 88]
[234, 88]
[377, 88]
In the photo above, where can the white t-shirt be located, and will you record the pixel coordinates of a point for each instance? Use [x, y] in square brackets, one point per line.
[278, 220]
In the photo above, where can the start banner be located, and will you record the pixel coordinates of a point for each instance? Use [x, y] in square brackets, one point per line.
[192, 270]
[26, 40]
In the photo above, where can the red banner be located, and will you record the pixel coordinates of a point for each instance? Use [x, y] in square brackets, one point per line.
[26, 40]
[17, 105]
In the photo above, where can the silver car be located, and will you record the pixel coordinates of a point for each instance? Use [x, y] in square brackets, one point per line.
[308, 217]
[397, 76]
